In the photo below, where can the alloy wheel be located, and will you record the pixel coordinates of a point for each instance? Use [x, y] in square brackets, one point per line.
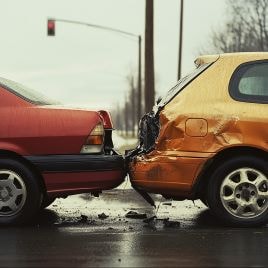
[12, 193]
[244, 193]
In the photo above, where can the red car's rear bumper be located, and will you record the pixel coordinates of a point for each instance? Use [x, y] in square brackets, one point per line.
[71, 174]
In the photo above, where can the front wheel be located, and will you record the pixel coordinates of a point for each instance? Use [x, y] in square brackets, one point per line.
[238, 191]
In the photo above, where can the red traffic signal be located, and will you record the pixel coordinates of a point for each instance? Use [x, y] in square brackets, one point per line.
[51, 27]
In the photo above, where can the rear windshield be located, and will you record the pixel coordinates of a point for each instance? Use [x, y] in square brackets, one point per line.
[181, 84]
[26, 93]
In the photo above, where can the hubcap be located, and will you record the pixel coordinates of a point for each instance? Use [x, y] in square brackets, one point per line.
[12, 193]
[244, 193]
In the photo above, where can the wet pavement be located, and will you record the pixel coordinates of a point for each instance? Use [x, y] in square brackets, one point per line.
[115, 230]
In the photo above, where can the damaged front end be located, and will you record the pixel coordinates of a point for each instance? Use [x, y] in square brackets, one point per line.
[148, 132]
[149, 127]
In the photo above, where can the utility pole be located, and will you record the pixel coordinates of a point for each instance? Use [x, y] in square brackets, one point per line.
[149, 56]
[139, 100]
[133, 106]
[180, 41]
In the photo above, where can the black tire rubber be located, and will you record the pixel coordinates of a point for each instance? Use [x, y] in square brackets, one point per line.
[47, 201]
[213, 191]
[204, 201]
[33, 197]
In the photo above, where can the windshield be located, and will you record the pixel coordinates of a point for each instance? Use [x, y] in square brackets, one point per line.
[181, 84]
[26, 93]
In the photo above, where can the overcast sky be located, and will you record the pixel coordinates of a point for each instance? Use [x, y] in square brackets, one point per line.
[85, 66]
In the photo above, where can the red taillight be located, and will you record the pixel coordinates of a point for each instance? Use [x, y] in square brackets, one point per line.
[106, 118]
[94, 142]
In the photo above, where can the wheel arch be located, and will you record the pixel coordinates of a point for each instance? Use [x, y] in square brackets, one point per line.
[27, 163]
[200, 186]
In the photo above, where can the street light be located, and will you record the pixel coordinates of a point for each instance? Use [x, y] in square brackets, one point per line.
[138, 37]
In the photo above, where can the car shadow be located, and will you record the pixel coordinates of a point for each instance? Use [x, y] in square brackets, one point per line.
[46, 217]
[206, 219]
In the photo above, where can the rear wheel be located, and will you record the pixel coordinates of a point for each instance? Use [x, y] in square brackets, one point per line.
[238, 191]
[20, 193]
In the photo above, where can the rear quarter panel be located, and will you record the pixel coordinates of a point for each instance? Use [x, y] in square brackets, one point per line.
[34, 130]
[229, 122]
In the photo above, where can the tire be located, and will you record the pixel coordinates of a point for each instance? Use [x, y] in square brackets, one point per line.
[238, 191]
[47, 201]
[204, 201]
[20, 193]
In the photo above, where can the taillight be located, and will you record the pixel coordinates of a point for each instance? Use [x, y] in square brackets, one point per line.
[94, 142]
[106, 118]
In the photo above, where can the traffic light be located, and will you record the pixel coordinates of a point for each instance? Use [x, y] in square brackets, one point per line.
[50, 27]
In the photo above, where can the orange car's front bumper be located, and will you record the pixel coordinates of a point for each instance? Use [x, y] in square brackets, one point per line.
[165, 174]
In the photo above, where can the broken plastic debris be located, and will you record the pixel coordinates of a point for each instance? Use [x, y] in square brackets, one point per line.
[167, 203]
[103, 216]
[83, 218]
[135, 215]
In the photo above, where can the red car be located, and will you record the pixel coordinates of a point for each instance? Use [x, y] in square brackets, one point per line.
[47, 151]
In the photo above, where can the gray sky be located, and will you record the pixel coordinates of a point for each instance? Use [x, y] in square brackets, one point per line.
[85, 66]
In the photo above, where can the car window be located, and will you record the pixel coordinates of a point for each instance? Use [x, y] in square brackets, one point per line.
[250, 83]
[26, 93]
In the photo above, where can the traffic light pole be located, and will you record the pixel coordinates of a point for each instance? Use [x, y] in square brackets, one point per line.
[138, 37]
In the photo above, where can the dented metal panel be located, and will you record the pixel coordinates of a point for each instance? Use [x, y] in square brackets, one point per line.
[195, 125]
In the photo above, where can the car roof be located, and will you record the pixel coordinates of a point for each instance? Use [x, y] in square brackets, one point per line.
[204, 59]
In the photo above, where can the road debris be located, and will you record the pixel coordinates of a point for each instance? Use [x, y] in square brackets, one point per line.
[167, 203]
[171, 224]
[154, 222]
[83, 218]
[103, 216]
[135, 215]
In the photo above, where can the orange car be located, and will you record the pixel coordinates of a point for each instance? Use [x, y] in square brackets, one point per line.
[208, 139]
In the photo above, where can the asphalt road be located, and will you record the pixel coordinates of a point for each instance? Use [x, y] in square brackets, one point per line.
[85, 231]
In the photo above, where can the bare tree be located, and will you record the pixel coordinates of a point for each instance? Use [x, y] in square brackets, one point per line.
[133, 102]
[125, 117]
[246, 27]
